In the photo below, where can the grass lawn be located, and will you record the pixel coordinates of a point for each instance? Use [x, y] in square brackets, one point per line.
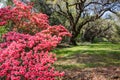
[88, 56]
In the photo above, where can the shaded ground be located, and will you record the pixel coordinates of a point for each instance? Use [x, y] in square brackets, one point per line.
[90, 62]
[109, 73]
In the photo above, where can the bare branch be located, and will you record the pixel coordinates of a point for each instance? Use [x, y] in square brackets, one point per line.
[69, 13]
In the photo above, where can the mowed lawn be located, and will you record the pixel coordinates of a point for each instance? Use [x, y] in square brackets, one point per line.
[88, 56]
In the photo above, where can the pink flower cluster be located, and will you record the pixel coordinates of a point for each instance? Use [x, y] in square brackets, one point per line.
[5, 15]
[27, 57]
[24, 56]
[23, 18]
[16, 64]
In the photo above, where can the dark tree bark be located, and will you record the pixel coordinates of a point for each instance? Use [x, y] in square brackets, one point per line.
[73, 39]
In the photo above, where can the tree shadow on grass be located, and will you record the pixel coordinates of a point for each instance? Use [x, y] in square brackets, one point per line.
[100, 64]
[90, 58]
[99, 61]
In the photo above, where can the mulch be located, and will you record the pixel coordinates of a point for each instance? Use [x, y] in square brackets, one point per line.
[106, 73]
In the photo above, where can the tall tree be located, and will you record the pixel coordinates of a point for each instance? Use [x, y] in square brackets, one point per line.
[81, 12]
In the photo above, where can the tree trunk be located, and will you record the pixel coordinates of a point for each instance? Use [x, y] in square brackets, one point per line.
[73, 39]
[88, 37]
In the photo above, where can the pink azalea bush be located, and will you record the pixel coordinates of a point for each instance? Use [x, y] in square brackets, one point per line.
[22, 18]
[24, 56]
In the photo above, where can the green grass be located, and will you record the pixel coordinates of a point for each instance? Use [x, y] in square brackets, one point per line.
[88, 55]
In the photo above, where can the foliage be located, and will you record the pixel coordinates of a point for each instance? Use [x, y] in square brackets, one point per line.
[25, 56]
[100, 28]
[22, 19]
[80, 12]
[116, 37]
[3, 30]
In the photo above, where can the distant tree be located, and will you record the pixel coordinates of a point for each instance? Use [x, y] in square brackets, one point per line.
[98, 29]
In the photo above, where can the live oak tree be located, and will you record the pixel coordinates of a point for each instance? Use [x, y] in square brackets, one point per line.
[81, 12]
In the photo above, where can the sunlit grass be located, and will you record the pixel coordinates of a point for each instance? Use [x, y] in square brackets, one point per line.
[88, 55]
